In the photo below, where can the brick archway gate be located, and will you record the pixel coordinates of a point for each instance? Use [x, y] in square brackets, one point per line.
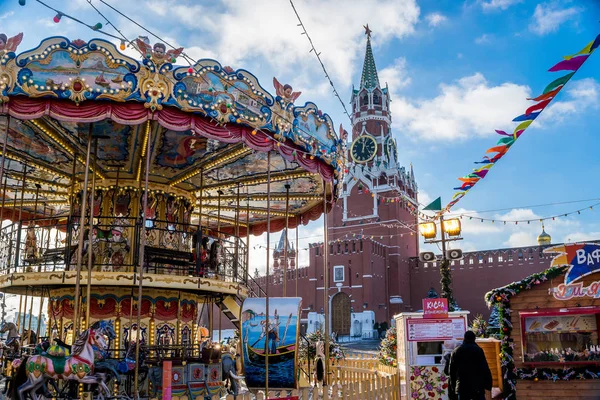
[340, 314]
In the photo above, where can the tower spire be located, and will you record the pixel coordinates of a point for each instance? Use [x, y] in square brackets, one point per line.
[369, 78]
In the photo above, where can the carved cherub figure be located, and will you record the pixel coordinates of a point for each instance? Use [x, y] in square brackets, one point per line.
[158, 52]
[286, 92]
[8, 45]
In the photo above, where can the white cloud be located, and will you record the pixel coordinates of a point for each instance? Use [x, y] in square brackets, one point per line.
[468, 107]
[521, 239]
[581, 95]
[395, 75]
[548, 17]
[435, 19]
[483, 39]
[6, 15]
[581, 237]
[492, 5]
[274, 35]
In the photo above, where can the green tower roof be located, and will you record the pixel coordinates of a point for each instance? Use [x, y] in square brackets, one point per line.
[369, 79]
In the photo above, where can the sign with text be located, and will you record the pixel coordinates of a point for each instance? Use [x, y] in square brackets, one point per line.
[573, 290]
[582, 258]
[429, 330]
[435, 308]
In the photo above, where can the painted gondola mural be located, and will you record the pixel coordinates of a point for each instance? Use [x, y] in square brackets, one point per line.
[278, 342]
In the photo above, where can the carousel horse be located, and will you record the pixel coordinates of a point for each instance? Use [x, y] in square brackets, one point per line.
[88, 349]
[12, 342]
[229, 368]
[29, 338]
[112, 235]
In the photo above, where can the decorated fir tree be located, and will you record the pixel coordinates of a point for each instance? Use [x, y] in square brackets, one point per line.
[388, 348]
[479, 326]
[308, 349]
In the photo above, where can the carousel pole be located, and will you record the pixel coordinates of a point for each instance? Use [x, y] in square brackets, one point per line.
[37, 196]
[18, 250]
[247, 239]
[51, 215]
[4, 149]
[199, 239]
[2, 168]
[69, 235]
[30, 318]
[219, 193]
[39, 323]
[285, 245]
[178, 326]
[198, 251]
[141, 266]
[12, 231]
[20, 309]
[90, 263]
[76, 315]
[7, 262]
[326, 282]
[237, 237]
[22, 316]
[297, 250]
[267, 272]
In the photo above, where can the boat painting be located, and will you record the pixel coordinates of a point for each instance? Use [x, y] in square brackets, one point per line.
[278, 343]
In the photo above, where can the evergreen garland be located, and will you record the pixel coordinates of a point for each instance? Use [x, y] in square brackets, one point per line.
[500, 298]
[388, 348]
[446, 282]
[566, 374]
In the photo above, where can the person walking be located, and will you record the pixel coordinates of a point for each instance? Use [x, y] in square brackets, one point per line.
[470, 375]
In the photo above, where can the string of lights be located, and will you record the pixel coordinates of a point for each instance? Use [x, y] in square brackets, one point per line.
[108, 22]
[528, 221]
[527, 206]
[318, 55]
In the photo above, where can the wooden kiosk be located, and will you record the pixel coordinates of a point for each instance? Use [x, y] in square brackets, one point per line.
[421, 342]
[549, 324]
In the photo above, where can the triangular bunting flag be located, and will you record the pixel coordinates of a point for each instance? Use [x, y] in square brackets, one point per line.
[435, 205]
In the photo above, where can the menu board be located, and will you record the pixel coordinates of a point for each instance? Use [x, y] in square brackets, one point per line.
[560, 323]
[423, 330]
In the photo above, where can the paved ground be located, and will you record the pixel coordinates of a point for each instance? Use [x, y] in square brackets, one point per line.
[367, 346]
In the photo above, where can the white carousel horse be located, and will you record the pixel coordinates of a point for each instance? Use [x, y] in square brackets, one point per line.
[12, 340]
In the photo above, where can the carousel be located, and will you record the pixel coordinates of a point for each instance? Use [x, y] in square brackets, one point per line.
[130, 189]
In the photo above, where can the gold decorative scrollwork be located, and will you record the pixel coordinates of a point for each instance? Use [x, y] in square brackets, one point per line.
[155, 89]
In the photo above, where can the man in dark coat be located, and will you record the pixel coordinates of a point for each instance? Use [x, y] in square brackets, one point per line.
[469, 371]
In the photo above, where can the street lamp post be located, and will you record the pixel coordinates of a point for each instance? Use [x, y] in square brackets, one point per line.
[450, 231]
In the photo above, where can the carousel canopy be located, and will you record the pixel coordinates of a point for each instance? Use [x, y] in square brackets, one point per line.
[209, 127]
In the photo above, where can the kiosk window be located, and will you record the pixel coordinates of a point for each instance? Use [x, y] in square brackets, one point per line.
[427, 348]
[560, 338]
[428, 353]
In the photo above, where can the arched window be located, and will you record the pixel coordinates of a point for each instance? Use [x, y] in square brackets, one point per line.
[364, 99]
[377, 98]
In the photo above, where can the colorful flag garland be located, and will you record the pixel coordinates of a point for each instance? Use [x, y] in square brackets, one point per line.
[570, 63]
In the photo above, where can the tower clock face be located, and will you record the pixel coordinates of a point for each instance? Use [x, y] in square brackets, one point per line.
[363, 149]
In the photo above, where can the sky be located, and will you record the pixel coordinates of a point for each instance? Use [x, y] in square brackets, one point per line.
[456, 70]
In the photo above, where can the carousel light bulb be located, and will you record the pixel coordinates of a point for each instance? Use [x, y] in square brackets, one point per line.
[22, 2]
[97, 27]
[122, 46]
[191, 70]
[57, 18]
